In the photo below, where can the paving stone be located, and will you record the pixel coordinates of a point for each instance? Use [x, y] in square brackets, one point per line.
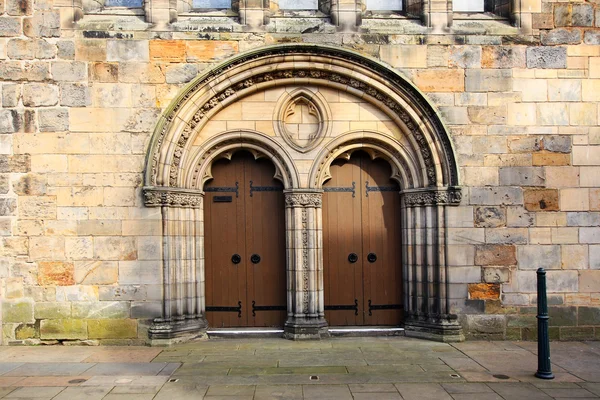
[414, 391]
[518, 390]
[49, 369]
[88, 393]
[332, 392]
[35, 392]
[126, 369]
[182, 390]
[376, 396]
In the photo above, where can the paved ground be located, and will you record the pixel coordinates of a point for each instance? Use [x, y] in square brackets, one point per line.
[342, 368]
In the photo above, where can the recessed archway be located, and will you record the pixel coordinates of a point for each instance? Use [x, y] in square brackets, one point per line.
[422, 158]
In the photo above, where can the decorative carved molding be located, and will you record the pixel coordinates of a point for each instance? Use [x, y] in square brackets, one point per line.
[311, 75]
[305, 277]
[158, 197]
[449, 196]
[303, 200]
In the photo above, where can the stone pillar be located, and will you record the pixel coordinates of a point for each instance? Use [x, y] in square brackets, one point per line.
[253, 13]
[183, 264]
[160, 13]
[304, 251]
[427, 311]
[346, 15]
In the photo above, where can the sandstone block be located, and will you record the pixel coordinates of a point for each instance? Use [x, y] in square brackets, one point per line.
[30, 185]
[506, 235]
[574, 257]
[498, 80]
[127, 50]
[592, 38]
[496, 196]
[542, 21]
[465, 274]
[112, 329]
[167, 50]
[594, 256]
[503, 57]
[181, 73]
[29, 49]
[42, 24]
[139, 272]
[122, 293]
[99, 227]
[561, 36]
[495, 255]
[574, 199]
[68, 71]
[27, 331]
[135, 72]
[589, 235]
[63, 329]
[8, 207]
[588, 315]
[490, 217]
[589, 281]
[484, 291]
[556, 143]
[76, 293]
[546, 57]
[562, 316]
[52, 310]
[440, 80]
[207, 50]
[17, 311]
[485, 324]
[536, 256]
[465, 56]
[79, 248]
[11, 94]
[55, 273]
[519, 217]
[66, 49]
[583, 219]
[146, 309]
[583, 114]
[39, 94]
[496, 275]
[104, 72]
[552, 114]
[10, 121]
[100, 310]
[564, 90]
[541, 199]
[569, 14]
[487, 115]
[17, 163]
[74, 95]
[557, 281]
[10, 26]
[546, 159]
[96, 273]
[114, 248]
[522, 176]
[37, 207]
[53, 120]
[461, 255]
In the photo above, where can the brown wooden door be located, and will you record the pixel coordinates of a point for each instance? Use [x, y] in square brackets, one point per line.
[244, 216]
[361, 244]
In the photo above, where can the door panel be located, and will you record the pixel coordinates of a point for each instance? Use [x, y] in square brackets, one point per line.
[368, 222]
[244, 215]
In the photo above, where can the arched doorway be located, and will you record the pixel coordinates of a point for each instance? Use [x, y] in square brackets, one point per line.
[244, 244]
[362, 252]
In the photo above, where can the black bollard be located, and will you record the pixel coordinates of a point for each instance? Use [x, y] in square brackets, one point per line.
[544, 370]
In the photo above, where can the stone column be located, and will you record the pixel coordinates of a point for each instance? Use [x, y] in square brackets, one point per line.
[160, 13]
[346, 15]
[183, 264]
[304, 253]
[427, 312]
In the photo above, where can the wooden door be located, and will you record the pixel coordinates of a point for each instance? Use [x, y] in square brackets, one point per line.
[244, 244]
[362, 244]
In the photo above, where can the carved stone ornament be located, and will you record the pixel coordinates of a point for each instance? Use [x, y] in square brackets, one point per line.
[303, 199]
[302, 119]
[450, 196]
[155, 197]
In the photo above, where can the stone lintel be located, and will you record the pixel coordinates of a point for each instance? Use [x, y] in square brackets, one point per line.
[303, 198]
[172, 197]
[433, 196]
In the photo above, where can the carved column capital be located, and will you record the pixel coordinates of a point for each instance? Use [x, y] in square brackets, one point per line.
[172, 197]
[433, 197]
[303, 198]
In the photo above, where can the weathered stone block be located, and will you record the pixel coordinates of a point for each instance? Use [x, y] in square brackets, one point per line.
[114, 248]
[68, 71]
[522, 176]
[167, 50]
[39, 94]
[30, 185]
[484, 291]
[550, 159]
[52, 310]
[104, 72]
[562, 316]
[592, 38]
[465, 274]
[495, 255]
[541, 199]
[465, 56]
[503, 57]
[496, 196]
[42, 24]
[122, 293]
[564, 90]
[574, 257]
[440, 80]
[146, 309]
[594, 256]
[8, 207]
[536, 256]
[181, 73]
[112, 329]
[588, 315]
[552, 114]
[498, 80]
[11, 94]
[10, 121]
[542, 21]
[576, 333]
[506, 235]
[206, 50]
[485, 324]
[583, 219]
[546, 57]
[487, 116]
[66, 49]
[139, 272]
[96, 272]
[496, 275]
[589, 281]
[53, 120]
[55, 273]
[17, 311]
[100, 310]
[63, 329]
[37, 207]
[27, 331]
[561, 36]
[557, 143]
[490, 217]
[10, 26]
[557, 281]
[29, 49]
[74, 95]
[127, 50]
[521, 321]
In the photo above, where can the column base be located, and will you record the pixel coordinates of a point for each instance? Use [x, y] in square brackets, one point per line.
[439, 330]
[166, 333]
[305, 329]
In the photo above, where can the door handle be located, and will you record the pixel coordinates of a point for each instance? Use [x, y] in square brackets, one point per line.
[352, 257]
[236, 259]
[372, 257]
[255, 258]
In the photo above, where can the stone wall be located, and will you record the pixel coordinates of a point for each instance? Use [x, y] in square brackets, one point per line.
[81, 95]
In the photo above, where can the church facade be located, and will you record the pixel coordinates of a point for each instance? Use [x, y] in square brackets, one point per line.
[169, 168]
